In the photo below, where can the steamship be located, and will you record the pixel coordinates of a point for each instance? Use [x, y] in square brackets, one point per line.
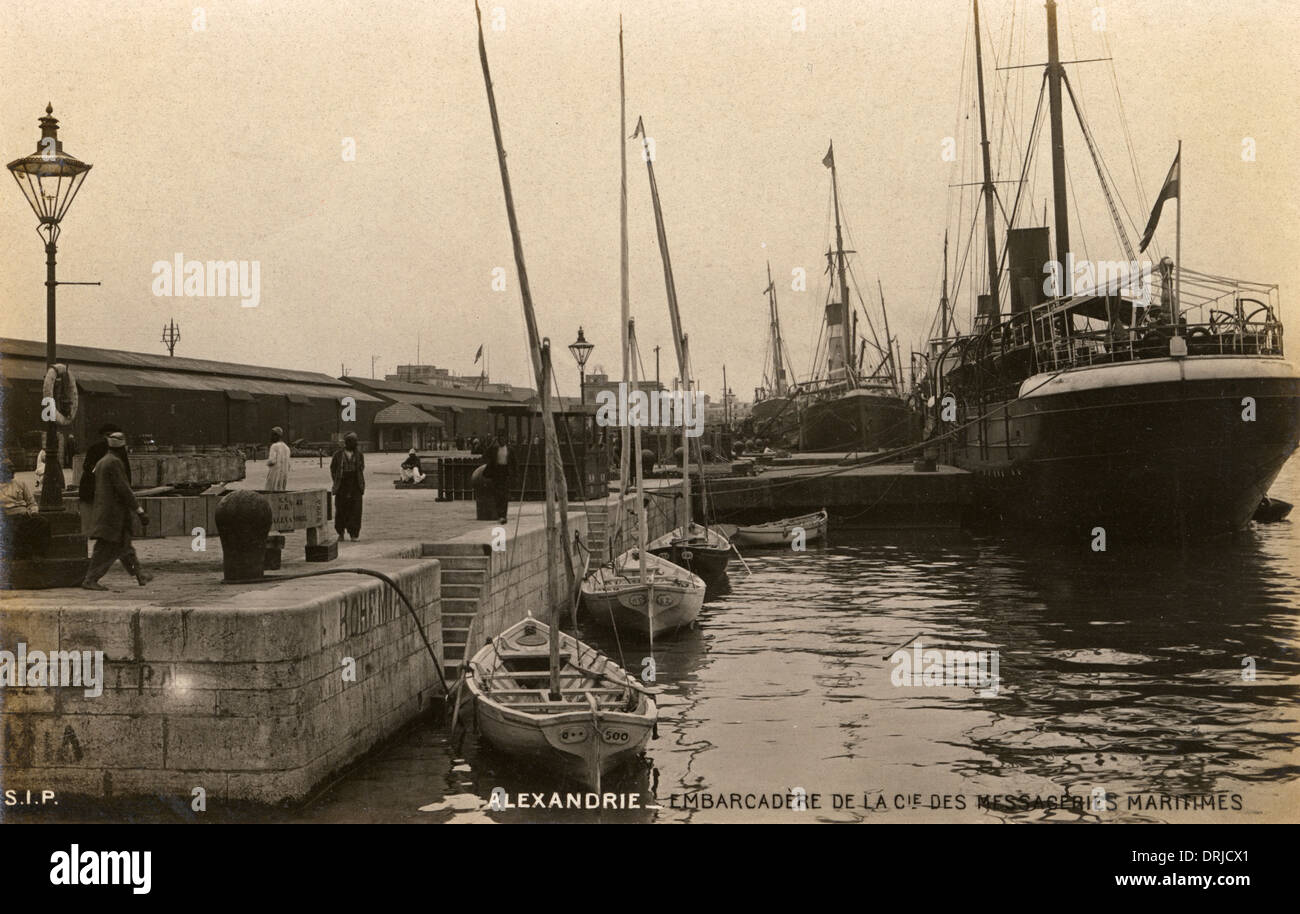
[1156, 404]
[851, 407]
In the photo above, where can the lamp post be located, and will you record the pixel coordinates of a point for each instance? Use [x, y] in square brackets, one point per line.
[581, 350]
[50, 179]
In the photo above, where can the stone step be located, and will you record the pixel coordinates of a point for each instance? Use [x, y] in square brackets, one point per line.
[461, 590]
[457, 620]
[465, 576]
[454, 605]
[463, 562]
[452, 636]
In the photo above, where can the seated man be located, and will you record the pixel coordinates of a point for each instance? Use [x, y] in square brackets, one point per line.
[411, 471]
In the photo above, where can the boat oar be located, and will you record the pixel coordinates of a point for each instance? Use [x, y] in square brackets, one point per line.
[741, 557]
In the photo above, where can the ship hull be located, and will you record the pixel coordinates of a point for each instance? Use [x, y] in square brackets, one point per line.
[855, 421]
[1147, 450]
[776, 419]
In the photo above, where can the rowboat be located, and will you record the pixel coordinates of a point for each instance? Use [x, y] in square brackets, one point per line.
[538, 694]
[599, 719]
[654, 597]
[778, 532]
[701, 550]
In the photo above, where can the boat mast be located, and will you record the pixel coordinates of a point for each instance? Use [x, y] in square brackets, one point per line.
[943, 299]
[988, 191]
[844, 282]
[778, 367]
[552, 454]
[889, 343]
[625, 301]
[643, 530]
[1054, 72]
[554, 474]
[679, 339]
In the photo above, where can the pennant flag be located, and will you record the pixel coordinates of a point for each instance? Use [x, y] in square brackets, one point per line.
[1168, 192]
[478, 355]
[829, 161]
[640, 129]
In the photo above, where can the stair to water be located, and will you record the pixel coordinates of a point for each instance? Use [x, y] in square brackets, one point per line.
[464, 573]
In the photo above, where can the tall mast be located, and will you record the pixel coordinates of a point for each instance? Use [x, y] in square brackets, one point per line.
[889, 344]
[643, 531]
[554, 473]
[624, 463]
[1054, 71]
[844, 282]
[991, 237]
[679, 339]
[943, 299]
[552, 449]
[778, 367]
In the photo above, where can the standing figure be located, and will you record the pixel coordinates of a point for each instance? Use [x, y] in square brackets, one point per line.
[499, 459]
[86, 485]
[278, 457]
[110, 527]
[347, 469]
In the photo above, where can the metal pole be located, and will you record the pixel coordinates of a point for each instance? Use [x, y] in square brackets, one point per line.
[1178, 246]
[52, 484]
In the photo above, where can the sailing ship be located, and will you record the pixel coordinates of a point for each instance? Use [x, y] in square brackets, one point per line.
[696, 547]
[636, 591]
[849, 407]
[775, 414]
[1158, 404]
[538, 694]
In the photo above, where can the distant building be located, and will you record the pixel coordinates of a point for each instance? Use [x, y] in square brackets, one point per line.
[442, 377]
[457, 413]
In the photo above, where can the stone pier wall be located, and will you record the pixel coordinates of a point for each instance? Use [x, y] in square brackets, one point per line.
[241, 690]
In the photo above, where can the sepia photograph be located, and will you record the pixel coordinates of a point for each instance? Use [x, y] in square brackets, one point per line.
[671, 412]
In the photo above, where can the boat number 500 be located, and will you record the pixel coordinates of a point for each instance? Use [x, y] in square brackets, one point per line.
[616, 736]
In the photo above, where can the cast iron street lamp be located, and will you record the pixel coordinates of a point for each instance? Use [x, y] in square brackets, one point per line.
[50, 179]
[581, 350]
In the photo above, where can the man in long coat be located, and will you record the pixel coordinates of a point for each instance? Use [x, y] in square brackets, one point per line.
[348, 472]
[110, 518]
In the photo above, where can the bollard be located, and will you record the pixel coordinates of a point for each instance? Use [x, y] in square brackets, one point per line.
[243, 522]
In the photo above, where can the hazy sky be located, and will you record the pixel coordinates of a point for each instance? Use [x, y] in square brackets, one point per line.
[226, 143]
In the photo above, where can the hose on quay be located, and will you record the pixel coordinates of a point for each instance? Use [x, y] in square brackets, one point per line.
[374, 574]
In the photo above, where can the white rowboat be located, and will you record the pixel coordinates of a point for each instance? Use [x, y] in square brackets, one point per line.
[778, 532]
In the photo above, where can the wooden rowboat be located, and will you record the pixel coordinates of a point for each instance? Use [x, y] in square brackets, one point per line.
[659, 601]
[600, 718]
[701, 550]
[778, 532]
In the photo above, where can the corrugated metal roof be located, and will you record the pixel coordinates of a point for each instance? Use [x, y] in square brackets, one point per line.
[147, 360]
[24, 360]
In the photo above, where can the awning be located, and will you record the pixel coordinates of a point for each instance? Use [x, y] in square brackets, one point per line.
[406, 414]
[299, 400]
[238, 395]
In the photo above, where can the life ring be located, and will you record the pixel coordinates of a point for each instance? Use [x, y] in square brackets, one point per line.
[60, 385]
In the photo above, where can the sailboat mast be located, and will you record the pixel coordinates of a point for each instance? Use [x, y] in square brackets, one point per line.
[626, 460]
[988, 191]
[1054, 72]
[843, 270]
[643, 528]
[553, 468]
[552, 603]
[679, 339]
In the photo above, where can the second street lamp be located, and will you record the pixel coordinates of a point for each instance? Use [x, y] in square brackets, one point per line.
[581, 350]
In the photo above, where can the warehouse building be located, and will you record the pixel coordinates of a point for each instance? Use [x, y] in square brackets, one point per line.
[459, 414]
[176, 401]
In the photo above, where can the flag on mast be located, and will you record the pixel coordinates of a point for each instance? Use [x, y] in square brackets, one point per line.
[1168, 192]
[829, 161]
[478, 355]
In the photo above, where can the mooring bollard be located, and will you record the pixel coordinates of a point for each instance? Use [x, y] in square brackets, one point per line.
[243, 522]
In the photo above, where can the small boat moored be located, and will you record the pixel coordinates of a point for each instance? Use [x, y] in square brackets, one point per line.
[657, 601]
[778, 532]
[701, 550]
[600, 718]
